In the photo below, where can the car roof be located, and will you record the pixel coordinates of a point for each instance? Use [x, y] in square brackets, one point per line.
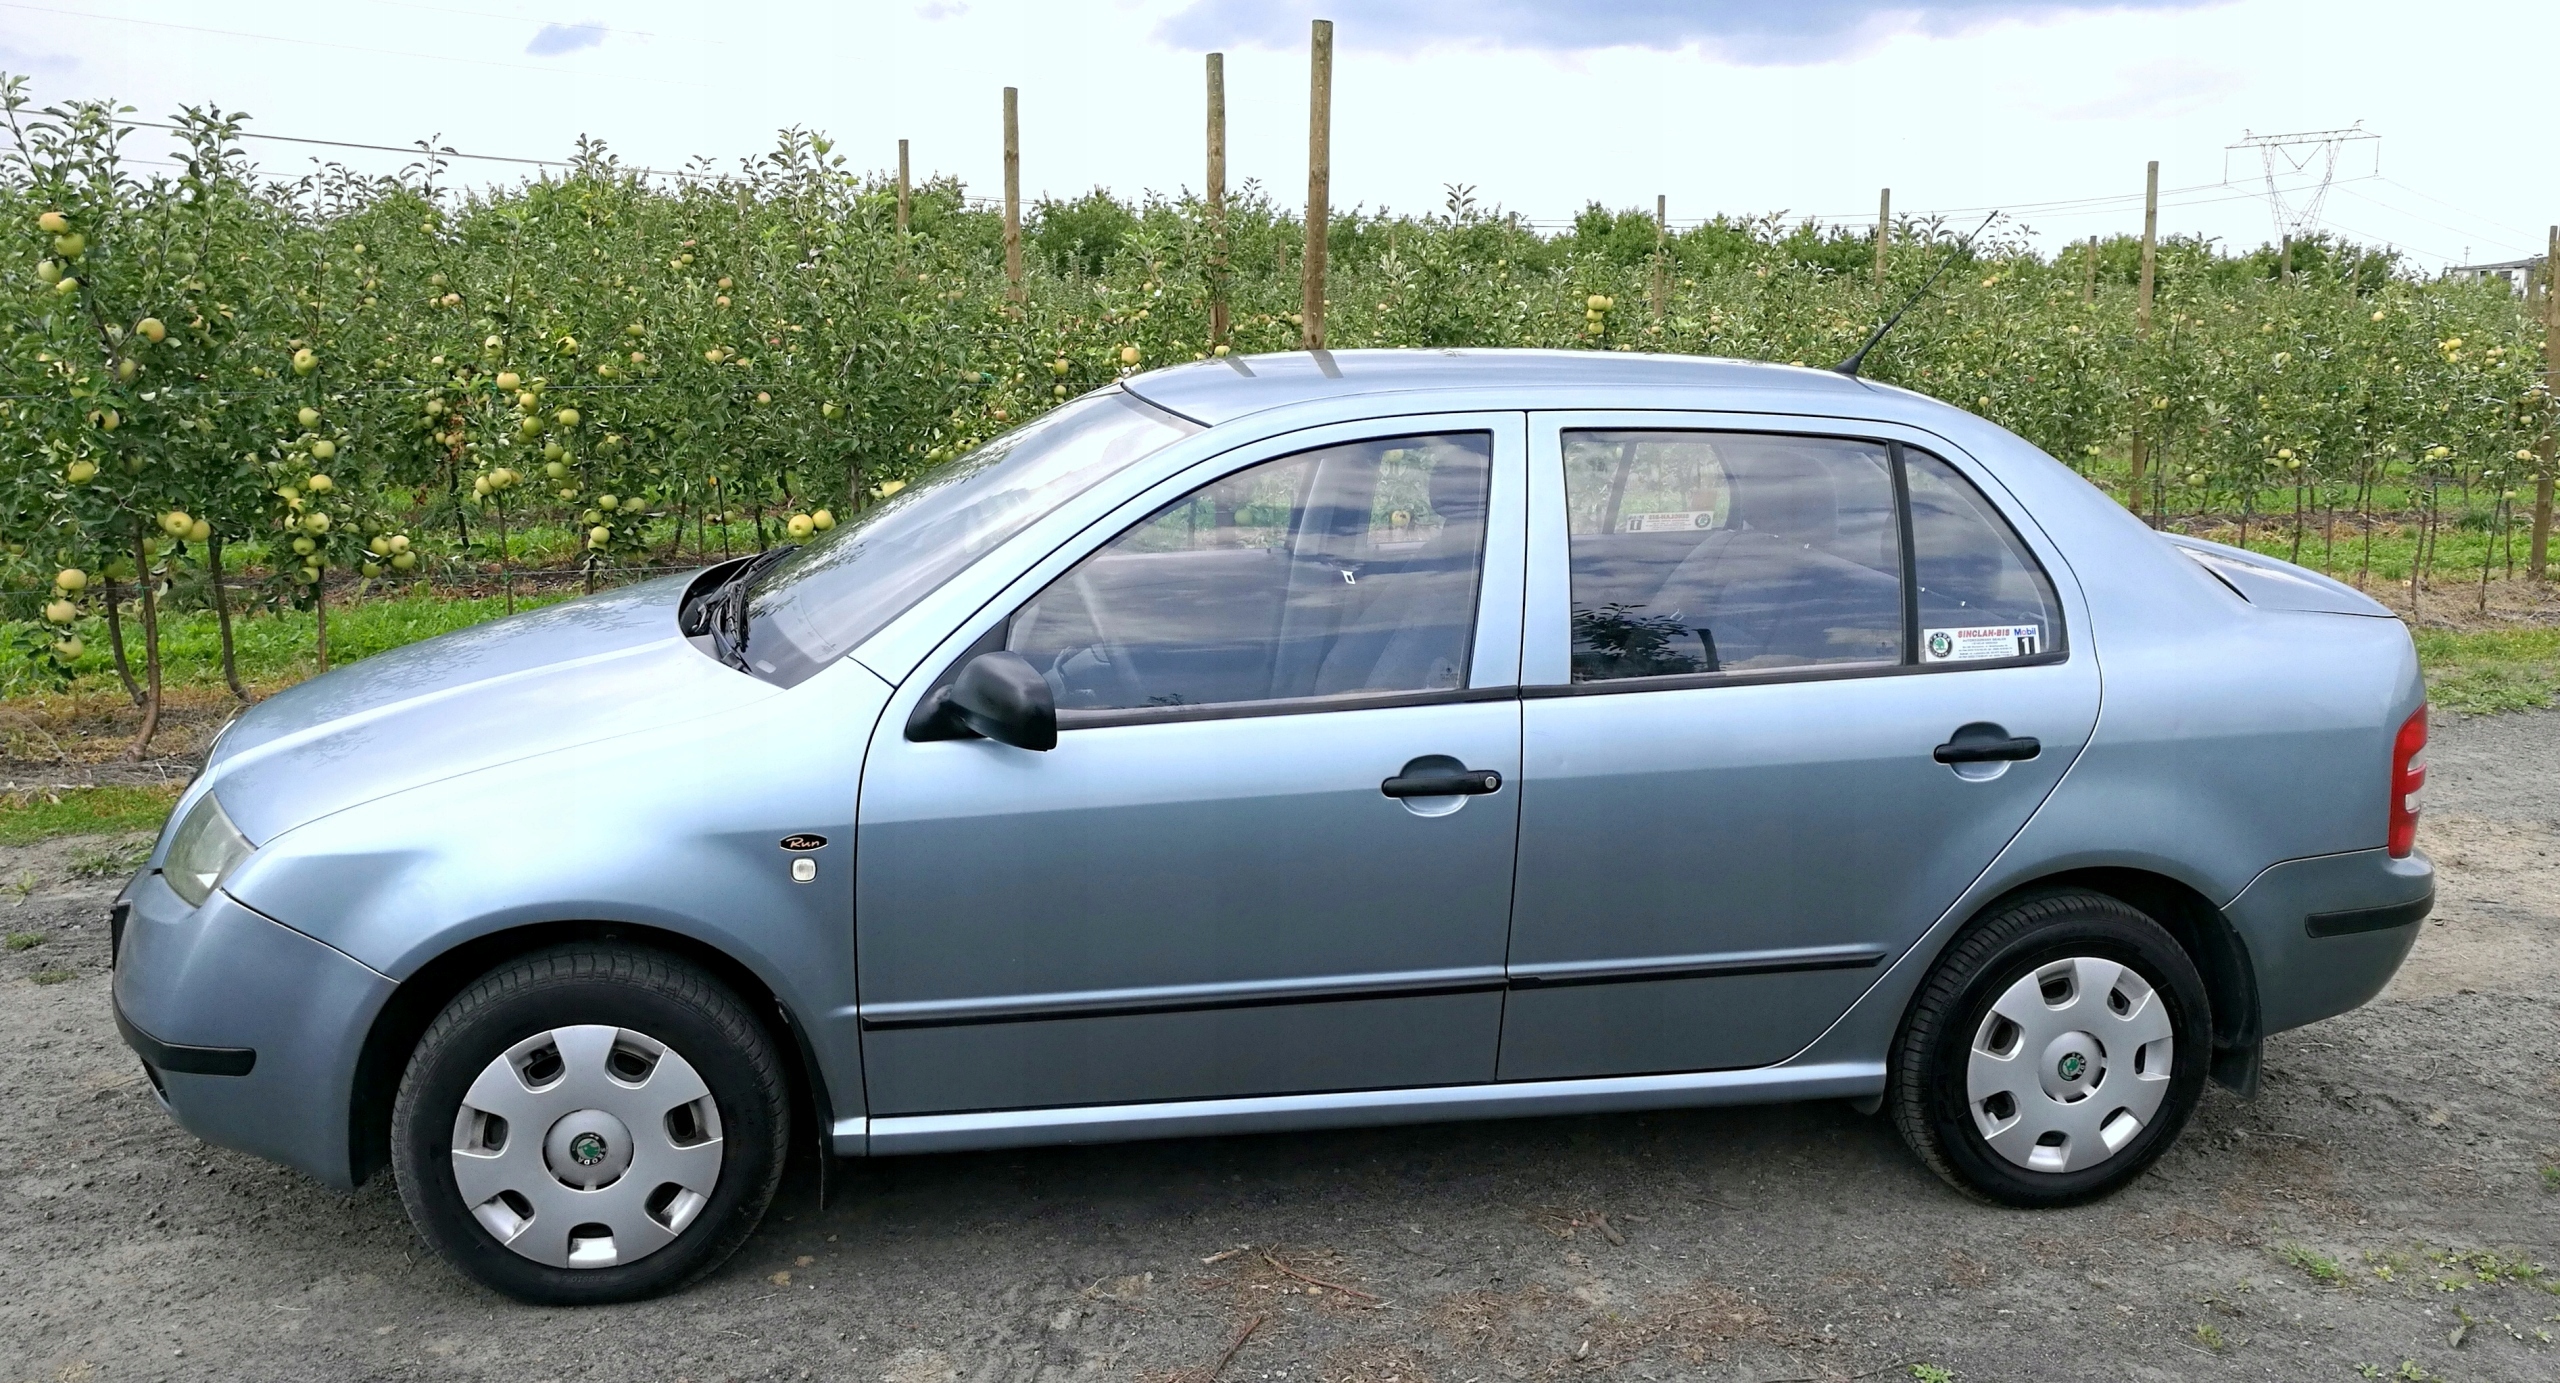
[1215, 391]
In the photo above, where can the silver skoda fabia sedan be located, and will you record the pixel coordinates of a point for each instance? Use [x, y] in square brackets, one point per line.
[1295, 741]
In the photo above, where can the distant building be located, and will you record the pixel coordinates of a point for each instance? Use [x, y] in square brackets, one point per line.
[2518, 273]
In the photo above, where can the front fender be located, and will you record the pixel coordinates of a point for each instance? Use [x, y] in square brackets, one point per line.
[676, 828]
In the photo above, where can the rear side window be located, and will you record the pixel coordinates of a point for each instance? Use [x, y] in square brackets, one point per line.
[1703, 552]
[1980, 594]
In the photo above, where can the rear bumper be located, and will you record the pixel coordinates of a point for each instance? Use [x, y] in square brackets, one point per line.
[2326, 934]
[249, 1029]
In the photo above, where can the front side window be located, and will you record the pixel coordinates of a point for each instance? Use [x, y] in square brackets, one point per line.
[1350, 569]
[818, 603]
[1708, 552]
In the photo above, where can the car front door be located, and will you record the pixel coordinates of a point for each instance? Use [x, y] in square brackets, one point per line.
[1271, 852]
[1786, 696]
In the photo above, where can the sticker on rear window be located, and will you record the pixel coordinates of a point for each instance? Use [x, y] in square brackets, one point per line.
[1980, 642]
[1677, 521]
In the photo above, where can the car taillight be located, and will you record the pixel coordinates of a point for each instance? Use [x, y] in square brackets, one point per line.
[2408, 774]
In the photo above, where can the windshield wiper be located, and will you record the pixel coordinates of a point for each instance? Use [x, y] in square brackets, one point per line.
[725, 607]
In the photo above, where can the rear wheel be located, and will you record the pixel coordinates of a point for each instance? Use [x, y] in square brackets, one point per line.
[590, 1124]
[2054, 1052]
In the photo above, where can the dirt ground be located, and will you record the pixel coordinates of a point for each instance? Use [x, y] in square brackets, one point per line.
[2383, 1209]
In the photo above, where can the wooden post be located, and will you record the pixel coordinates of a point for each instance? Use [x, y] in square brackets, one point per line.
[1661, 256]
[1319, 179]
[2284, 262]
[2089, 274]
[2142, 325]
[1217, 201]
[903, 186]
[1012, 194]
[2150, 248]
[1884, 231]
[2538, 551]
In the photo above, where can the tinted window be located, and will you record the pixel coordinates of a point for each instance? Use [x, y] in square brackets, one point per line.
[1350, 569]
[1982, 595]
[1730, 552]
[831, 595]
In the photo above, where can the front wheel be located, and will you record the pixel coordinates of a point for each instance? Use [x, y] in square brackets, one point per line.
[2053, 1053]
[590, 1124]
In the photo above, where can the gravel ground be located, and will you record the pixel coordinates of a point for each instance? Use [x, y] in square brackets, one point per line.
[2381, 1210]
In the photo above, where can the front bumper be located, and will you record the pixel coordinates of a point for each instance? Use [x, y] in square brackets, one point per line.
[2326, 934]
[249, 1029]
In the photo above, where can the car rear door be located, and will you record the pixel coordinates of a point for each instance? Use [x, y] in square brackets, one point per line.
[1206, 889]
[1770, 734]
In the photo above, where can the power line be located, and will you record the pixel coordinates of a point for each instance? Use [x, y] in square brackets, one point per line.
[310, 42]
[2476, 216]
[415, 150]
[2403, 211]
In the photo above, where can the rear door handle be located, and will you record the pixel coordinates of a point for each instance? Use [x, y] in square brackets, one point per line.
[1982, 743]
[1441, 779]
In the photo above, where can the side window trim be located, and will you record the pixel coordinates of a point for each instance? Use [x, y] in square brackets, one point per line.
[1910, 553]
[1548, 520]
[1288, 706]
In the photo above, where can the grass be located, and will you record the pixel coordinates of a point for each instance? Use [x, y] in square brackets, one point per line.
[2487, 671]
[84, 812]
[2319, 1267]
[55, 976]
[25, 941]
[113, 860]
[271, 649]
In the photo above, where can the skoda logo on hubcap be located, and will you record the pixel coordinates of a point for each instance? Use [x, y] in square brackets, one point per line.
[588, 1148]
[2070, 1068]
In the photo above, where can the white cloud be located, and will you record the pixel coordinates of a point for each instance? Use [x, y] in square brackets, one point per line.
[556, 39]
[1751, 31]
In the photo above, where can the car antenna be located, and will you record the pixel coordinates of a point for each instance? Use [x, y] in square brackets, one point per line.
[1850, 366]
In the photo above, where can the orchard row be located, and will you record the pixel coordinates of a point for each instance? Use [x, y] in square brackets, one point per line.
[372, 376]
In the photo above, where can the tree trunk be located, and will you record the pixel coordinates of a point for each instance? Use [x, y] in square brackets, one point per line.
[2364, 516]
[453, 490]
[222, 617]
[2537, 553]
[505, 576]
[150, 643]
[320, 616]
[115, 641]
[2489, 551]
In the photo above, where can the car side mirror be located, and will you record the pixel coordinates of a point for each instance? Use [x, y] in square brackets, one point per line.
[998, 696]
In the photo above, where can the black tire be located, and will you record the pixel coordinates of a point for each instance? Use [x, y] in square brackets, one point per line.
[1927, 1085]
[626, 987]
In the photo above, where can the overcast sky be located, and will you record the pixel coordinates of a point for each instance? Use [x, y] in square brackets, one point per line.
[1805, 106]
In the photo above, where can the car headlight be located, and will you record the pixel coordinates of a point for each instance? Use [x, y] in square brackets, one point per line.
[206, 847]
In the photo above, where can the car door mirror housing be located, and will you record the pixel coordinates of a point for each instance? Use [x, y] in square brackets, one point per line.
[999, 696]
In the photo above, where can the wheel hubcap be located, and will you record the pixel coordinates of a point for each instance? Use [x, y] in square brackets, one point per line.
[589, 1150]
[587, 1146]
[2069, 1064]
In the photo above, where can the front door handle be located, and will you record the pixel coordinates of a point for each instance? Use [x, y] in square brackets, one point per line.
[1438, 775]
[1982, 743]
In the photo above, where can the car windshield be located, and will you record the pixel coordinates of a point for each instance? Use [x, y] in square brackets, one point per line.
[824, 599]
